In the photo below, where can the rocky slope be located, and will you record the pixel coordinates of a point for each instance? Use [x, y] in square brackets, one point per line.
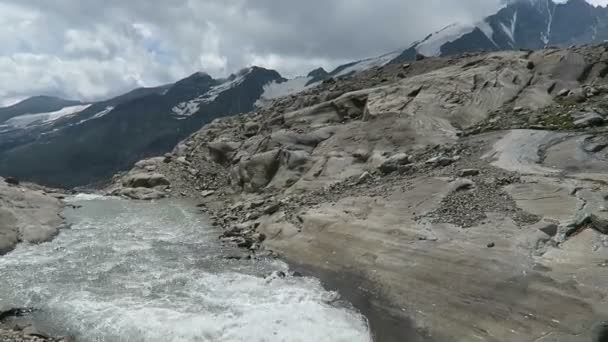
[27, 214]
[467, 195]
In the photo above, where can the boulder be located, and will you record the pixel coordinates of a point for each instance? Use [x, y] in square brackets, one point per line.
[251, 128]
[222, 152]
[11, 180]
[145, 180]
[441, 161]
[208, 193]
[27, 215]
[142, 194]
[253, 173]
[394, 162]
[468, 172]
[586, 119]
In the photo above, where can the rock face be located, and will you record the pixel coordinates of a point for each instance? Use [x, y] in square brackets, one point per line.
[460, 192]
[27, 216]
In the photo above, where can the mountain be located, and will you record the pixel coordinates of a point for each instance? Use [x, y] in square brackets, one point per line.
[520, 24]
[70, 143]
[34, 105]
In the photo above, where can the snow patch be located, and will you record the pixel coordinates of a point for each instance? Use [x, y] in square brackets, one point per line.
[369, 63]
[275, 90]
[487, 30]
[26, 120]
[98, 115]
[510, 31]
[431, 47]
[545, 37]
[188, 108]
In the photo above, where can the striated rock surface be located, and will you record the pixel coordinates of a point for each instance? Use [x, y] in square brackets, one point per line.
[465, 194]
[27, 215]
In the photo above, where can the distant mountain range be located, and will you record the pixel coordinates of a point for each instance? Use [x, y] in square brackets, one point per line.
[519, 24]
[69, 143]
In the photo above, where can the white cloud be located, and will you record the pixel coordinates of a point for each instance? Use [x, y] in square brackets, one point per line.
[84, 49]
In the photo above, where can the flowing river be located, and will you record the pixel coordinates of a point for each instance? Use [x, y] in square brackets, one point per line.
[155, 271]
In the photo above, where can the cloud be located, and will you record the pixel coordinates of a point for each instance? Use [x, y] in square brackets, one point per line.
[86, 50]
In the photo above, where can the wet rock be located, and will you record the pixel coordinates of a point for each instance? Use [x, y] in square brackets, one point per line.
[142, 194]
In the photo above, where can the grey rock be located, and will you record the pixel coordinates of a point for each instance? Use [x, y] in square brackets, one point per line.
[145, 180]
[468, 172]
[142, 194]
[586, 119]
[208, 193]
[11, 180]
[441, 161]
[364, 177]
[27, 215]
[394, 162]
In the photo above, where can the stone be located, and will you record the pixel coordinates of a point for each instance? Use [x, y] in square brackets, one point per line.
[530, 65]
[142, 194]
[11, 180]
[145, 180]
[462, 185]
[254, 173]
[251, 129]
[518, 109]
[468, 172]
[406, 66]
[420, 57]
[586, 119]
[441, 161]
[491, 245]
[364, 177]
[361, 155]
[394, 162]
[208, 193]
[563, 92]
[551, 229]
[27, 215]
[272, 208]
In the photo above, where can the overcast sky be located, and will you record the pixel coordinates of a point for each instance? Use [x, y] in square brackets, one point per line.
[91, 49]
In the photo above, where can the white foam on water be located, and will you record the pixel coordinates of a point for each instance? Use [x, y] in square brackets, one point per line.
[88, 197]
[130, 271]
